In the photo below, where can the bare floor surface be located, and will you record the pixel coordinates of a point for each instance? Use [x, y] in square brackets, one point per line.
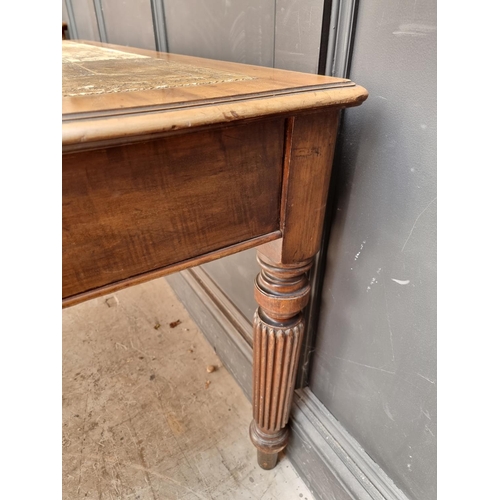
[143, 419]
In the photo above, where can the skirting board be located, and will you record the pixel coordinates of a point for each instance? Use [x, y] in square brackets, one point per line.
[328, 459]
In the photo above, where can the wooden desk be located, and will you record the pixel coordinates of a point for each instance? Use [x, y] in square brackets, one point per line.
[171, 161]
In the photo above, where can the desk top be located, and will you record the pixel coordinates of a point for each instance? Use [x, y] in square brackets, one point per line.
[111, 93]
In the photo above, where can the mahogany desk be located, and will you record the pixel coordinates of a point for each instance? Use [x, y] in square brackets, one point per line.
[171, 161]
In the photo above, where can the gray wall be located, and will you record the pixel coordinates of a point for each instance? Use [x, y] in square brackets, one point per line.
[129, 23]
[237, 31]
[85, 27]
[374, 366]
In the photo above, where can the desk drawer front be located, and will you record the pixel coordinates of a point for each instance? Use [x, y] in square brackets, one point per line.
[131, 209]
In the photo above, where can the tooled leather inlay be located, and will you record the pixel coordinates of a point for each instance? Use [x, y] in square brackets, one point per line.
[92, 70]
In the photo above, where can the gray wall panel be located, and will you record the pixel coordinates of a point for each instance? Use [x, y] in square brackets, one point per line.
[85, 19]
[237, 30]
[235, 275]
[65, 16]
[298, 34]
[374, 366]
[129, 23]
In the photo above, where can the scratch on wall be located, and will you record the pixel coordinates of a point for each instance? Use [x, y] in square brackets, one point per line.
[414, 30]
[416, 220]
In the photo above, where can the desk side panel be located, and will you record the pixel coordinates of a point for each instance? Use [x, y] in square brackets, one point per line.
[133, 209]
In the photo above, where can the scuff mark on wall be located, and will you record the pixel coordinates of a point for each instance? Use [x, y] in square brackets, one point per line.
[361, 248]
[400, 282]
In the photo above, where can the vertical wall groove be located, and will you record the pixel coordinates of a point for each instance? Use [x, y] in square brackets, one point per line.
[159, 25]
[73, 31]
[341, 31]
[101, 26]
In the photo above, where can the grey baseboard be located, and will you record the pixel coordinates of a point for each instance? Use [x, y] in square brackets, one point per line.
[331, 460]
[332, 464]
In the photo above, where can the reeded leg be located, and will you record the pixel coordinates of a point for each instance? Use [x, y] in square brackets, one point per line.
[281, 291]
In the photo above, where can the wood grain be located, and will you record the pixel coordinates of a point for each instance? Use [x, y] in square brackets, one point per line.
[133, 209]
[311, 158]
[310, 143]
[170, 269]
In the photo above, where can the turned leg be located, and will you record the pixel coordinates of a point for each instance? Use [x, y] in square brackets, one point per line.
[281, 291]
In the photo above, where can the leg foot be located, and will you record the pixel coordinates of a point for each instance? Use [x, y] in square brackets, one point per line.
[267, 461]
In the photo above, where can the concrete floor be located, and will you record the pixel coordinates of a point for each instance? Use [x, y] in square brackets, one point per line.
[144, 419]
